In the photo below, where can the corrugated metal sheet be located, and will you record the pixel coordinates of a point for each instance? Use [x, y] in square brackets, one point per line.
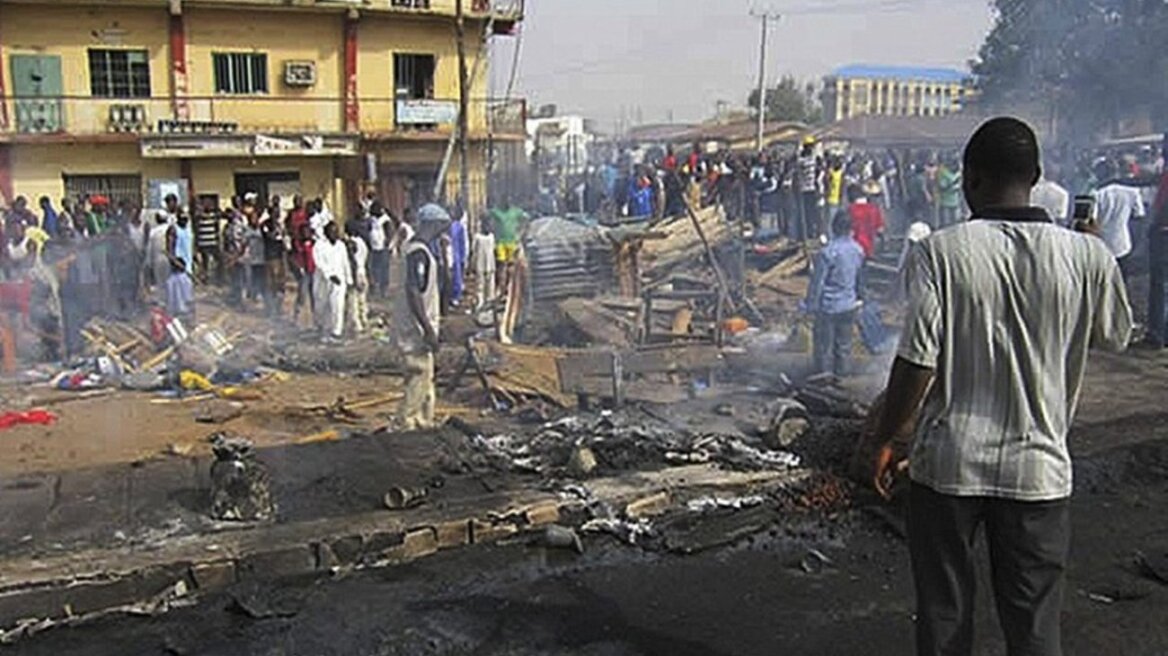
[566, 259]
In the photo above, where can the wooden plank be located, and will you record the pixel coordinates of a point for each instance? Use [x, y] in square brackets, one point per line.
[586, 363]
[642, 361]
[523, 370]
[601, 324]
[633, 390]
[684, 358]
[618, 378]
[578, 374]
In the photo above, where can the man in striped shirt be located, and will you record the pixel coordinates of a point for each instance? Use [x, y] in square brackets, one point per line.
[1002, 310]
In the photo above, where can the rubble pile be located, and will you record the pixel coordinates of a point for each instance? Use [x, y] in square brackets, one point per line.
[624, 440]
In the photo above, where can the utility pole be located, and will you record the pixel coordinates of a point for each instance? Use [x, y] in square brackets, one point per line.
[463, 93]
[766, 18]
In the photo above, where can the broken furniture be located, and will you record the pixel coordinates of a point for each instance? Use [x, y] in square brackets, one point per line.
[564, 377]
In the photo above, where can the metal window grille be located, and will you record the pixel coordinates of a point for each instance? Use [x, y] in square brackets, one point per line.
[413, 76]
[115, 187]
[119, 73]
[240, 72]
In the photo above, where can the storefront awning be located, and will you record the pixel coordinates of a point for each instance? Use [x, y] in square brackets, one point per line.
[166, 146]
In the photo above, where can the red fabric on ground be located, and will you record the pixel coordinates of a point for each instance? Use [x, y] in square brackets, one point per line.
[41, 417]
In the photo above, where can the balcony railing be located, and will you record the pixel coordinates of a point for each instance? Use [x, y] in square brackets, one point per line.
[509, 10]
[85, 116]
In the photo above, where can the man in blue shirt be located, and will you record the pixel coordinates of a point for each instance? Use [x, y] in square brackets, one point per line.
[833, 298]
[50, 220]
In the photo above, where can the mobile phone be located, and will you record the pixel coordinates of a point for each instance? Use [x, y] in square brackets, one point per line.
[1084, 216]
[1084, 209]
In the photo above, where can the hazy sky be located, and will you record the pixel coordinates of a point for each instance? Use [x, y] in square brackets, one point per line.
[682, 56]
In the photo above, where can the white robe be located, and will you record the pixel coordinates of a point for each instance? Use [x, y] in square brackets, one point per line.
[332, 261]
[358, 297]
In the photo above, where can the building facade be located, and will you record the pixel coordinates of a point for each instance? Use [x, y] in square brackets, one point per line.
[560, 142]
[325, 98]
[860, 90]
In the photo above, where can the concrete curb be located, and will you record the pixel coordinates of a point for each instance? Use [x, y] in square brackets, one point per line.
[37, 592]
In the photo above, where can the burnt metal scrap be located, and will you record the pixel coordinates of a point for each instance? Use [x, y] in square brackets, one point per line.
[621, 440]
[240, 484]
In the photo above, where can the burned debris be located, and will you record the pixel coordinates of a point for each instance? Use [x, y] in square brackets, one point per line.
[240, 486]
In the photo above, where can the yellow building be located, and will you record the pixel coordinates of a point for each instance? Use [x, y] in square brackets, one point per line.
[221, 97]
[894, 91]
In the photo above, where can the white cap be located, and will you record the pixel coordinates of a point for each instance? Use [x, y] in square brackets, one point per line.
[918, 231]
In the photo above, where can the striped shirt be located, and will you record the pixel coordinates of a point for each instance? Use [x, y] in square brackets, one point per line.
[808, 173]
[1004, 311]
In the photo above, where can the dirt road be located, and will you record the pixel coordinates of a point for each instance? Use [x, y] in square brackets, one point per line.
[755, 597]
[766, 593]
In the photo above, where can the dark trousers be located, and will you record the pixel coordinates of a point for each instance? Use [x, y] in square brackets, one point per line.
[832, 341]
[1158, 275]
[236, 278]
[1028, 546]
[949, 216]
[257, 281]
[304, 295]
[379, 266]
[808, 216]
[274, 285]
[210, 261]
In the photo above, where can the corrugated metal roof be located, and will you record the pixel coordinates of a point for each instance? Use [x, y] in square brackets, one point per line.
[905, 73]
[921, 131]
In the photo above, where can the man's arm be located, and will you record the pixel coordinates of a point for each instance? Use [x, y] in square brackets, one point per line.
[907, 385]
[915, 365]
[418, 277]
[815, 289]
[1138, 209]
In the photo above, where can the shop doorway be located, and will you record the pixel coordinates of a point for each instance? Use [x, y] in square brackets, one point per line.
[284, 184]
[402, 189]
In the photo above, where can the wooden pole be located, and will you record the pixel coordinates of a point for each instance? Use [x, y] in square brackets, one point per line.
[463, 101]
[723, 285]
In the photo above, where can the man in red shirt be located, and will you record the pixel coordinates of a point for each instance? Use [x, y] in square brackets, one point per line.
[669, 164]
[867, 220]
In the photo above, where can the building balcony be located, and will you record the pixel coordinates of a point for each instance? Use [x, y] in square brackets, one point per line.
[503, 11]
[231, 118]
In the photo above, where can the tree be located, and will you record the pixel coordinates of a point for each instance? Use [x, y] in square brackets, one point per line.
[788, 101]
[1094, 61]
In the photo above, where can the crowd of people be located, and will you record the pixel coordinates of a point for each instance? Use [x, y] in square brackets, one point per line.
[89, 256]
[794, 193]
[839, 196]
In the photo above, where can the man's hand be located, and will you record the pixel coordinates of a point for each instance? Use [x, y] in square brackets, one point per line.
[884, 471]
[907, 386]
[1087, 227]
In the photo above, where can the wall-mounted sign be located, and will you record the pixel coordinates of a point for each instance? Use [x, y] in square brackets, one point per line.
[304, 144]
[248, 145]
[171, 126]
[426, 112]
